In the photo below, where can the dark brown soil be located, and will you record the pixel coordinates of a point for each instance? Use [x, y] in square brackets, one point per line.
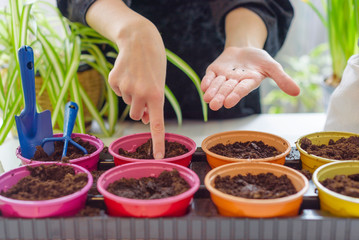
[346, 185]
[342, 149]
[306, 173]
[261, 186]
[47, 182]
[167, 184]
[72, 151]
[245, 150]
[88, 211]
[145, 151]
[96, 175]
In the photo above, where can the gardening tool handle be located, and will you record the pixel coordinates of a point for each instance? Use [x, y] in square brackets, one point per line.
[26, 62]
[71, 109]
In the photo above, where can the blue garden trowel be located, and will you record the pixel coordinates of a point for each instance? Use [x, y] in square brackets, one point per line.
[32, 127]
[71, 109]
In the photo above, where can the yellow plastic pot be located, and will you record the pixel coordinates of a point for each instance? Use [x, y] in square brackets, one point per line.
[233, 206]
[215, 160]
[312, 162]
[335, 203]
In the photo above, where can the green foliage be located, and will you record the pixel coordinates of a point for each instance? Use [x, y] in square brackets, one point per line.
[60, 47]
[341, 18]
[308, 71]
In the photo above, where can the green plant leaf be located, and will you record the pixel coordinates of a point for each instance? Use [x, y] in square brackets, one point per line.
[24, 24]
[9, 119]
[72, 70]
[177, 61]
[94, 112]
[174, 103]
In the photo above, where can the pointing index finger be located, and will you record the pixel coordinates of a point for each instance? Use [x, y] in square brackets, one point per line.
[157, 129]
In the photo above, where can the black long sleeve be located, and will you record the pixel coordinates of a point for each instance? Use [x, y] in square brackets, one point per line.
[194, 30]
[276, 14]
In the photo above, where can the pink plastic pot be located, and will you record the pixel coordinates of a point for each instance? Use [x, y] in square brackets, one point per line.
[89, 162]
[171, 206]
[131, 142]
[59, 207]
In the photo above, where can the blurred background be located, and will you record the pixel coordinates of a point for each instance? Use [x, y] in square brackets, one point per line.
[304, 56]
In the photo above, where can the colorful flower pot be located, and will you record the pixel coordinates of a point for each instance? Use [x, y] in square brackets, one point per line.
[312, 162]
[59, 207]
[127, 207]
[233, 206]
[89, 162]
[215, 160]
[131, 142]
[333, 202]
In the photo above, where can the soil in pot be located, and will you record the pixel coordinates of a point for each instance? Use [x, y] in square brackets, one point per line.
[167, 184]
[261, 186]
[47, 182]
[344, 184]
[72, 151]
[245, 150]
[96, 175]
[342, 149]
[145, 151]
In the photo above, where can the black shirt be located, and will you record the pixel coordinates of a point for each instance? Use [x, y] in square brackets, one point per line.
[194, 30]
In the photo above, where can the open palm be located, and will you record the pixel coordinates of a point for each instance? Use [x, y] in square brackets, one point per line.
[237, 72]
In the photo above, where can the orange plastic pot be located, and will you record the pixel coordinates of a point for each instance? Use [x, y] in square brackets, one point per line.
[215, 160]
[233, 206]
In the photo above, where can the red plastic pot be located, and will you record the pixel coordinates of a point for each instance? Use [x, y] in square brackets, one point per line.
[171, 206]
[89, 162]
[131, 142]
[59, 207]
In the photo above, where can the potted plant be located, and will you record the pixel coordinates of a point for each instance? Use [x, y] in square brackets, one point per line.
[341, 20]
[60, 49]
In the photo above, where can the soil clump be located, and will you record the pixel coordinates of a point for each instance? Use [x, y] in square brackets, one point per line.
[145, 151]
[88, 211]
[167, 184]
[47, 182]
[261, 186]
[306, 173]
[343, 184]
[72, 151]
[342, 149]
[95, 175]
[245, 150]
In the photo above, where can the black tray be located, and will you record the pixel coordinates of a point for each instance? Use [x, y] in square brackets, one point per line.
[201, 222]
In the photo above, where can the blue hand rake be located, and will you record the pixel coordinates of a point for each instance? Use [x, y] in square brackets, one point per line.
[71, 109]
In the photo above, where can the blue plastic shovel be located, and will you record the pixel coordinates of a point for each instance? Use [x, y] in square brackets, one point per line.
[71, 109]
[32, 127]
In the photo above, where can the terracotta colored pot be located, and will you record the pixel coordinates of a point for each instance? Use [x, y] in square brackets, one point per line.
[59, 207]
[229, 137]
[233, 206]
[131, 142]
[336, 203]
[312, 162]
[171, 206]
[89, 162]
